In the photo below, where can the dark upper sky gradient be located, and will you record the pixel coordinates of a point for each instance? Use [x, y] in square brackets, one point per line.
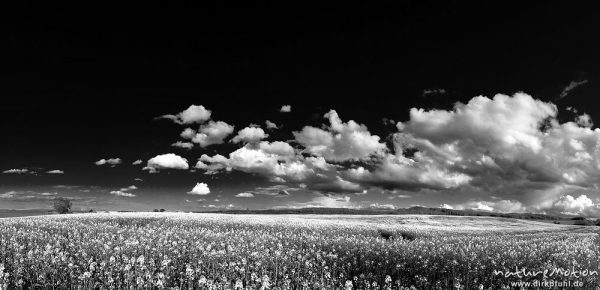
[78, 87]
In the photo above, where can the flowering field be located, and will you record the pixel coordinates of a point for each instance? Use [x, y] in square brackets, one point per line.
[212, 251]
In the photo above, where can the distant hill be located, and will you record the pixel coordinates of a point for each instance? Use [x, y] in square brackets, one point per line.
[400, 211]
[23, 212]
[418, 210]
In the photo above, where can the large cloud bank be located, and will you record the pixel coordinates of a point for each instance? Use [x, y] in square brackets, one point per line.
[510, 147]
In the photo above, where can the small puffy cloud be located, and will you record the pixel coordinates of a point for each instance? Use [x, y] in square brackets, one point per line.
[285, 109]
[244, 194]
[200, 189]
[215, 163]
[250, 135]
[47, 193]
[571, 86]
[201, 165]
[277, 148]
[188, 133]
[584, 120]
[270, 125]
[16, 171]
[446, 206]
[110, 161]
[184, 145]
[166, 161]
[193, 114]
[341, 142]
[212, 133]
[122, 193]
[129, 188]
[138, 179]
[55, 171]
[137, 162]
[214, 159]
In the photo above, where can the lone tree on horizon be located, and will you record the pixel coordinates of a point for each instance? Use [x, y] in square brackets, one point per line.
[62, 205]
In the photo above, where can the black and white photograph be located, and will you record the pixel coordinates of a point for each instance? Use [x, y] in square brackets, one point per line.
[297, 145]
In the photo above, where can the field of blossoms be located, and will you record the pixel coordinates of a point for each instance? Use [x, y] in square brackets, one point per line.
[217, 251]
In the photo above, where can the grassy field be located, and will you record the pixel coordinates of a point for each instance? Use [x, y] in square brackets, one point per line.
[217, 251]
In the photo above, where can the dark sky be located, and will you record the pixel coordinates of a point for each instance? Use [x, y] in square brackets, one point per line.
[78, 86]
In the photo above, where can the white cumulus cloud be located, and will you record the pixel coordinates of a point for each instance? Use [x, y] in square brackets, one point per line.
[496, 143]
[16, 171]
[122, 193]
[193, 114]
[341, 141]
[111, 161]
[270, 125]
[129, 188]
[568, 204]
[212, 133]
[285, 109]
[166, 161]
[200, 189]
[188, 133]
[184, 145]
[249, 135]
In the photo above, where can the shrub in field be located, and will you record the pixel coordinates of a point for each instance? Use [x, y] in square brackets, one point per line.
[407, 235]
[62, 205]
[385, 234]
[403, 234]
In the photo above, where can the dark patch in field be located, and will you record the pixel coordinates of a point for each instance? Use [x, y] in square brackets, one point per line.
[389, 235]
